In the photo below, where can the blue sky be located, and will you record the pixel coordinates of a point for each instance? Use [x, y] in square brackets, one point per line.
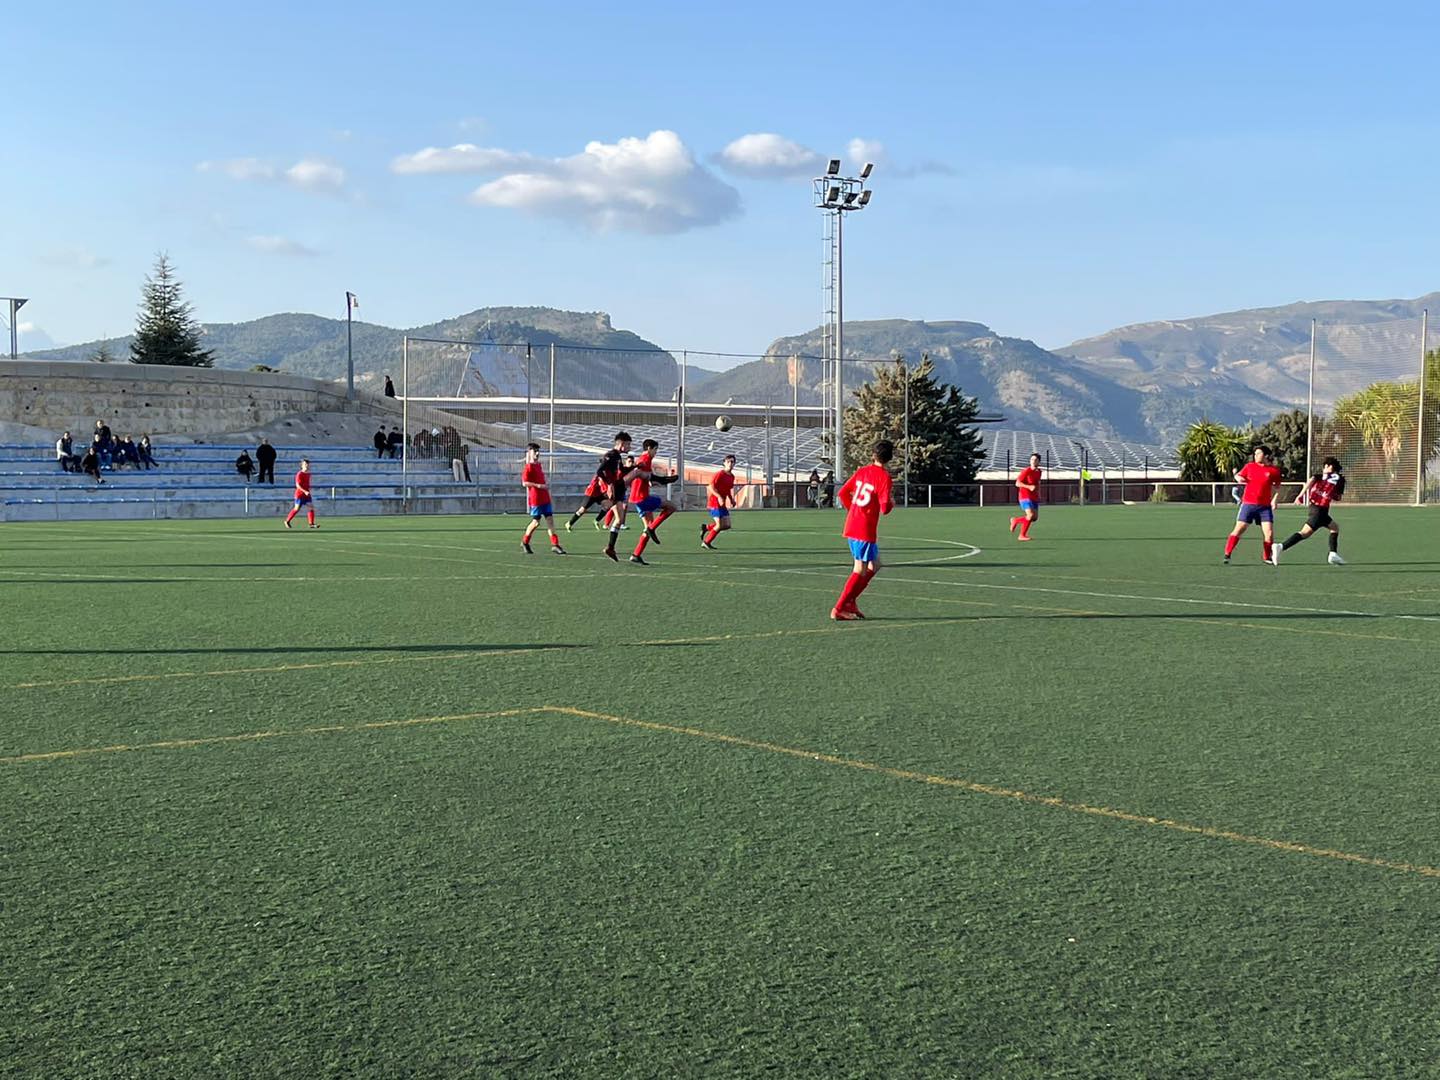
[1051, 169]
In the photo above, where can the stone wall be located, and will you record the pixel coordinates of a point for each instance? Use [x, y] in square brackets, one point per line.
[162, 400]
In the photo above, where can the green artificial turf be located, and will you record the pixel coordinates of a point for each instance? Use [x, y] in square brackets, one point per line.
[780, 846]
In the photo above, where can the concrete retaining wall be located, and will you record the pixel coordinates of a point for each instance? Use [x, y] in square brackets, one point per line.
[161, 400]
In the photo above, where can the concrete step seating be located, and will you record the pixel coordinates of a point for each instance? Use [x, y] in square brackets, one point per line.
[200, 481]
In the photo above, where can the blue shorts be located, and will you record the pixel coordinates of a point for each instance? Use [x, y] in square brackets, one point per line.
[1030, 504]
[302, 500]
[648, 505]
[1254, 513]
[865, 550]
[718, 512]
[542, 511]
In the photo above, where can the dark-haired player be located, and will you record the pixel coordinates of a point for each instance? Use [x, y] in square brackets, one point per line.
[1257, 504]
[866, 496]
[537, 500]
[302, 496]
[611, 475]
[719, 499]
[653, 509]
[1027, 486]
[1324, 489]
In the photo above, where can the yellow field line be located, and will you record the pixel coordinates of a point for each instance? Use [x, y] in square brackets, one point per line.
[934, 780]
[256, 736]
[104, 680]
[1014, 794]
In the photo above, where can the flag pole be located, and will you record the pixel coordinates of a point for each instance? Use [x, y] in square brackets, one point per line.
[349, 348]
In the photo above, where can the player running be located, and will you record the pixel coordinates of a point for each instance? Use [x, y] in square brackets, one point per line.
[1325, 488]
[719, 499]
[1257, 504]
[1027, 485]
[596, 494]
[653, 509]
[302, 496]
[611, 474]
[866, 496]
[537, 499]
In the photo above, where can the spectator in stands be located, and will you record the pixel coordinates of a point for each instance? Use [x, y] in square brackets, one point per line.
[397, 440]
[90, 463]
[129, 451]
[103, 443]
[147, 453]
[389, 387]
[244, 465]
[460, 462]
[380, 442]
[265, 454]
[813, 493]
[65, 455]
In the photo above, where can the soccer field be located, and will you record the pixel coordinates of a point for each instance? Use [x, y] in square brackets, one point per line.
[392, 798]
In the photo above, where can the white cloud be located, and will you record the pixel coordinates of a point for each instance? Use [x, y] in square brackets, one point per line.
[463, 158]
[308, 174]
[25, 328]
[766, 154]
[859, 151]
[649, 185]
[74, 259]
[281, 245]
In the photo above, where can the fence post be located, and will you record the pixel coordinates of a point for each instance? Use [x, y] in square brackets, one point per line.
[982, 496]
[1419, 420]
[929, 496]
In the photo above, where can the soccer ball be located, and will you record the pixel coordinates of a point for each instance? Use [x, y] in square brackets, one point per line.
[722, 423]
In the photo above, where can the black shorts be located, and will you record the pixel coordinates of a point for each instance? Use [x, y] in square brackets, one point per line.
[594, 500]
[1319, 518]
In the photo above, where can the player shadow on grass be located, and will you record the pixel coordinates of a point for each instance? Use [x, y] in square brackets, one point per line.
[285, 650]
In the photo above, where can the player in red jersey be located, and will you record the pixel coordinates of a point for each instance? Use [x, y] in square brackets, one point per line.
[865, 496]
[719, 499]
[302, 496]
[1257, 504]
[537, 499]
[1326, 488]
[1027, 485]
[653, 509]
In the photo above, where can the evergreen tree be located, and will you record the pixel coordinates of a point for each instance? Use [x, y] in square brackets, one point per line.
[103, 354]
[942, 449]
[1288, 435]
[167, 332]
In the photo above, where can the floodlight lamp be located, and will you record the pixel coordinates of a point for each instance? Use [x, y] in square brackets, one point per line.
[834, 167]
[864, 197]
[850, 197]
[867, 170]
[833, 195]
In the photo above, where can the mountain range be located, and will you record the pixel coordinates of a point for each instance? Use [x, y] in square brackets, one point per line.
[1145, 382]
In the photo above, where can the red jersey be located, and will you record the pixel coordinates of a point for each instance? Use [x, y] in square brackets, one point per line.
[640, 486]
[866, 495]
[721, 485]
[302, 484]
[1028, 476]
[1260, 483]
[1325, 489]
[532, 473]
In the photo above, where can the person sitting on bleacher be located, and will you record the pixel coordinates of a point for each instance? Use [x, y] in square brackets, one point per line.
[396, 441]
[68, 461]
[102, 443]
[244, 465]
[129, 452]
[90, 463]
[381, 442]
[147, 453]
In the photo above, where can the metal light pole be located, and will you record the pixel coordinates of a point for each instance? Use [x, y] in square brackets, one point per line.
[904, 367]
[16, 303]
[835, 195]
[351, 303]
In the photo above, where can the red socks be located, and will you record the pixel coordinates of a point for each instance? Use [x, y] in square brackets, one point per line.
[1230, 543]
[554, 540]
[661, 519]
[1265, 546]
[291, 516]
[310, 516]
[711, 533]
[640, 545]
[848, 594]
[1025, 526]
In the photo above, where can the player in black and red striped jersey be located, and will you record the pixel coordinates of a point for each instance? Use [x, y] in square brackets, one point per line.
[1325, 488]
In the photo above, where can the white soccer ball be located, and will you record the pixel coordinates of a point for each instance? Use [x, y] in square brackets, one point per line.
[722, 423]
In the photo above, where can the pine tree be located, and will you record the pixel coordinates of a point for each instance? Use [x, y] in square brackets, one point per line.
[103, 354]
[942, 449]
[167, 332]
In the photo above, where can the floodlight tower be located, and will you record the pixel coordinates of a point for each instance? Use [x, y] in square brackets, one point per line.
[16, 303]
[835, 196]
